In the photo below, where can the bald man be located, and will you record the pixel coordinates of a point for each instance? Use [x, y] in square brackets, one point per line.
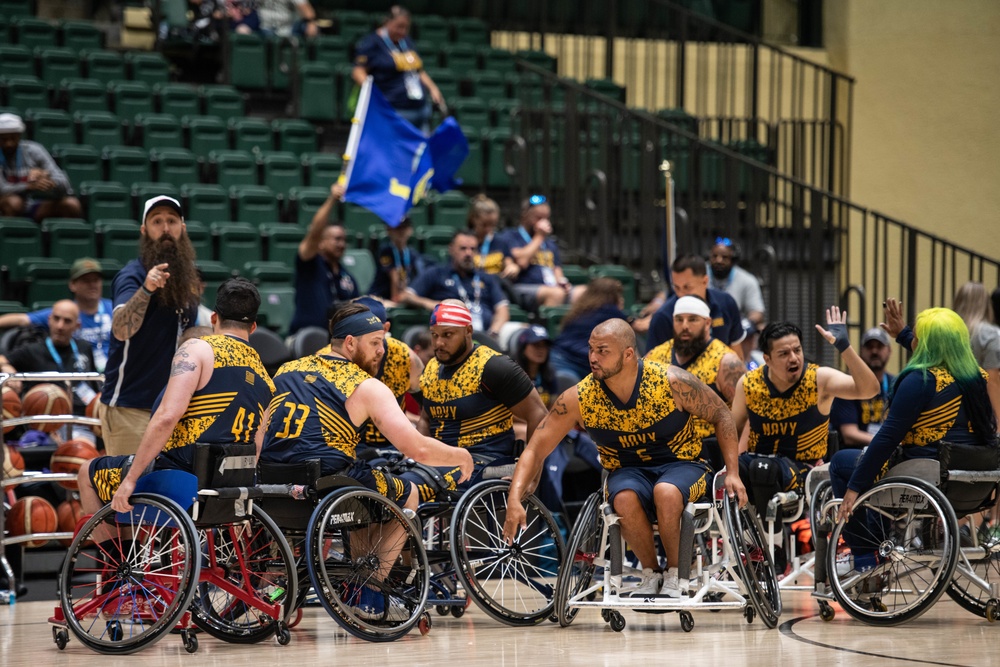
[641, 415]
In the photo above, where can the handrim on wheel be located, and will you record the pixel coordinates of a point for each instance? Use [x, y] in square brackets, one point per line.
[753, 561]
[578, 568]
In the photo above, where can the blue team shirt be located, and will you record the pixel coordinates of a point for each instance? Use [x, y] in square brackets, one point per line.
[727, 324]
[138, 368]
[389, 259]
[444, 282]
[546, 257]
[573, 342]
[388, 66]
[317, 287]
[94, 328]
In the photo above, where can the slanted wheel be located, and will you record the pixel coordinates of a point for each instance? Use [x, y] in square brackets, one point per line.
[252, 556]
[617, 621]
[912, 529]
[826, 611]
[128, 589]
[977, 565]
[367, 564]
[687, 621]
[514, 584]
[61, 637]
[577, 571]
[753, 561]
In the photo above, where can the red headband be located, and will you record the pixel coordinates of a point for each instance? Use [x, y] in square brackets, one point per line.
[449, 315]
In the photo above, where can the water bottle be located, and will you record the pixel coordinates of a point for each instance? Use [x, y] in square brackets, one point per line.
[8, 597]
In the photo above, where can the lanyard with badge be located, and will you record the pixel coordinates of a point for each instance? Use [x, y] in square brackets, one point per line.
[401, 262]
[103, 322]
[403, 54]
[548, 273]
[474, 306]
[83, 390]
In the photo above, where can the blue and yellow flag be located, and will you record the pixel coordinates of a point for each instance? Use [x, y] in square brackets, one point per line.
[391, 165]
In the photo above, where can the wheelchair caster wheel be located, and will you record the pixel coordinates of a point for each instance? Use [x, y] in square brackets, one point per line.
[442, 610]
[459, 612]
[283, 634]
[425, 624]
[687, 621]
[826, 611]
[190, 641]
[617, 621]
[606, 615]
[115, 633]
[297, 619]
[992, 610]
[60, 637]
[749, 613]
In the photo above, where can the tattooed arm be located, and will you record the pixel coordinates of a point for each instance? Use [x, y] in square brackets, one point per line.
[731, 369]
[127, 319]
[694, 396]
[564, 415]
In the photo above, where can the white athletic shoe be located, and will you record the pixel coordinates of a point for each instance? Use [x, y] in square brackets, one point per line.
[671, 587]
[649, 586]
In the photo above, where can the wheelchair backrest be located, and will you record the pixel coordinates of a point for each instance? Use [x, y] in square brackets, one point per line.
[289, 513]
[222, 466]
[964, 497]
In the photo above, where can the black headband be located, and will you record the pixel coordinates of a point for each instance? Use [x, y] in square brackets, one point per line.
[357, 324]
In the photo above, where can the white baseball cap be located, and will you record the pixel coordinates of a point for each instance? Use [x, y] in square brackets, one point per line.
[11, 123]
[162, 200]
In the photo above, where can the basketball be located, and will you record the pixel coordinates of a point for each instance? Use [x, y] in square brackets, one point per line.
[11, 406]
[32, 514]
[13, 462]
[46, 399]
[69, 514]
[68, 458]
[91, 411]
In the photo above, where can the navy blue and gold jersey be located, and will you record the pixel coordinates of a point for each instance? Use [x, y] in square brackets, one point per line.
[229, 408]
[705, 367]
[647, 430]
[788, 423]
[939, 418]
[395, 374]
[469, 405]
[309, 416]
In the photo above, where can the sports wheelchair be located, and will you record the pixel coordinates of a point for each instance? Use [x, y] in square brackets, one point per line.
[732, 571]
[130, 578]
[911, 520]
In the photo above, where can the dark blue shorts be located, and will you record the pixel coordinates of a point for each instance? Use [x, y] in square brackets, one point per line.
[690, 477]
[107, 473]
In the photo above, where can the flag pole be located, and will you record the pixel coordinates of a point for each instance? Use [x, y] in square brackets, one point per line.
[357, 124]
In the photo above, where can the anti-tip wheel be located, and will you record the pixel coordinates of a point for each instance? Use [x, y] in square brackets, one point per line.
[749, 613]
[617, 621]
[826, 611]
[687, 621]
[992, 610]
[425, 624]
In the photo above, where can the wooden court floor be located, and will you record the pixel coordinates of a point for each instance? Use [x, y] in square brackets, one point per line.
[945, 635]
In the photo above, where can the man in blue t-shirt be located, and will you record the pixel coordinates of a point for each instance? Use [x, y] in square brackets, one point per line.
[320, 276]
[858, 421]
[689, 277]
[480, 292]
[86, 285]
[155, 299]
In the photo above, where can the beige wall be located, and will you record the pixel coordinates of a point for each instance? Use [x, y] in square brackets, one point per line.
[926, 146]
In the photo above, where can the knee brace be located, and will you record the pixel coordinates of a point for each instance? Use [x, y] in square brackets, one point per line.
[765, 481]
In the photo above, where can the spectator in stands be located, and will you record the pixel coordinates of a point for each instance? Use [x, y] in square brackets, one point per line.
[690, 277]
[86, 285]
[484, 214]
[397, 264]
[320, 278]
[603, 299]
[735, 281]
[857, 421]
[398, 72]
[211, 15]
[972, 303]
[540, 280]
[31, 185]
[480, 292]
[60, 352]
[155, 299]
[423, 346]
[288, 18]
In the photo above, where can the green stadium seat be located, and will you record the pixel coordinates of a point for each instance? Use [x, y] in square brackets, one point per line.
[103, 199]
[179, 99]
[249, 134]
[608, 88]
[321, 169]
[419, 215]
[360, 264]
[304, 202]
[46, 280]
[99, 128]
[552, 317]
[460, 57]
[433, 239]
[205, 134]
[472, 113]
[81, 162]
[496, 140]
[117, 239]
[150, 67]
[201, 238]
[68, 239]
[504, 111]
[358, 219]
[19, 237]
[539, 59]
[267, 273]
[254, 203]
[15, 8]
[127, 164]
[250, 51]
[233, 168]
[432, 29]
[576, 274]
[157, 130]
[105, 66]
[446, 81]
[129, 98]
[318, 92]
[295, 135]
[277, 306]
[497, 60]
[214, 273]
[237, 242]
[283, 55]
[9, 307]
[50, 127]
[451, 210]
[620, 273]
[176, 166]
[109, 269]
[348, 92]
[487, 84]
[222, 101]
[80, 35]
[471, 171]
[55, 64]
[33, 32]
[330, 49]
[16, 61]
[353, 24]
[206, 202]
[281, 241]
[470, 30]
[84, 95]
[145, 190]
[280, 171]
[26, 92]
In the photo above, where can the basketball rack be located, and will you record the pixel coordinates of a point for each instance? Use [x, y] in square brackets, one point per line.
[10, 595]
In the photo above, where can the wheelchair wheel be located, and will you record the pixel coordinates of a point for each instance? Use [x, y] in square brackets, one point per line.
[367, 564]
[254, 557]
[753, 561]
[820, 496]
[514, 584]
[124, 584]
[577, 572]
[913, 530]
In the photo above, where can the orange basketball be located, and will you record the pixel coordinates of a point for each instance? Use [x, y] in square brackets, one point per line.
[32, 514]
[69, 513]
[92, 412]
[13, 462]
[69, 456]
[11, 406]
[46, 399]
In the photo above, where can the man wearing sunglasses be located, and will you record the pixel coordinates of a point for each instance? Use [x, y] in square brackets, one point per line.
[735, 281]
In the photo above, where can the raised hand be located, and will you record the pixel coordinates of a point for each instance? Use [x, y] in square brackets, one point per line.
[836, 328]
[892, 310]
